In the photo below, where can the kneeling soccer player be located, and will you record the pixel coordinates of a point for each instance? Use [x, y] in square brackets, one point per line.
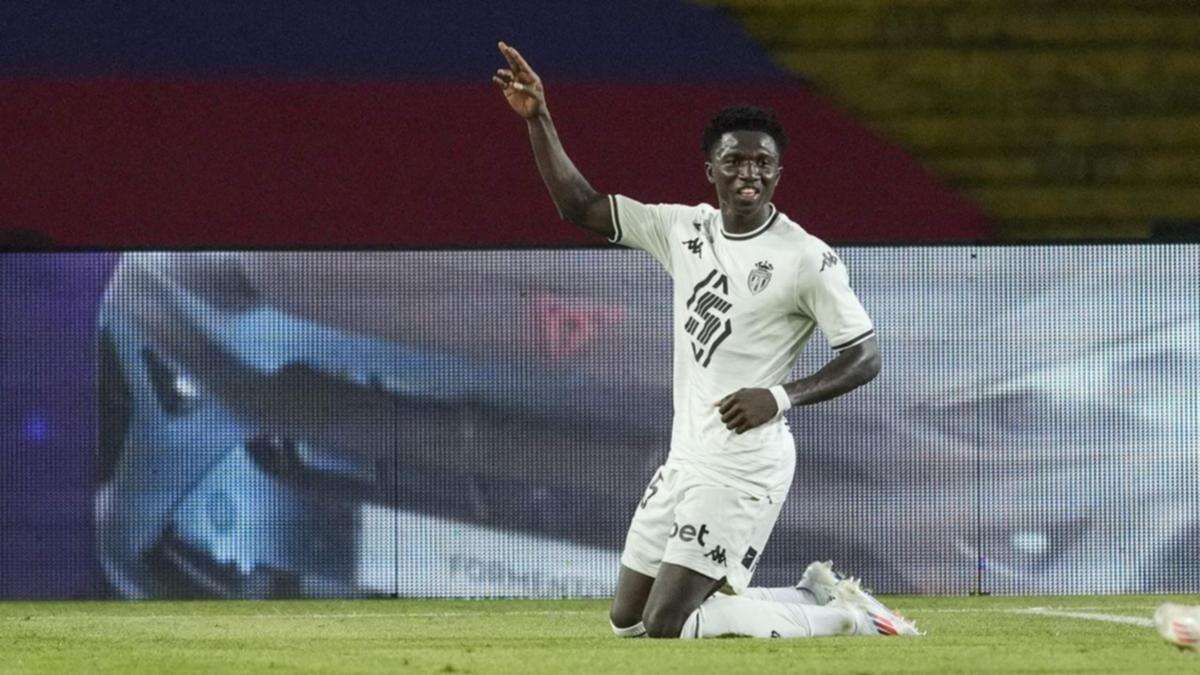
[750, 287]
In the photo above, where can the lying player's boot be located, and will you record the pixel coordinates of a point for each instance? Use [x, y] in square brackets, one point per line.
[875, 617]
[1179, 625]
[820, 580]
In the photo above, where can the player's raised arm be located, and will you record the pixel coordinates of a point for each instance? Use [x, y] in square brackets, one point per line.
[572, 194]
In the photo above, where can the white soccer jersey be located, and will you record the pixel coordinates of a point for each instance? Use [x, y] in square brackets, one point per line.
[744, 306]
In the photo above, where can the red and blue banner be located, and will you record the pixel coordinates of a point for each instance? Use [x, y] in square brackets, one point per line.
[150, 124]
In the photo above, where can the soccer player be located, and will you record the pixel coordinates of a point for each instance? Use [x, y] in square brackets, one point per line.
[750, 286]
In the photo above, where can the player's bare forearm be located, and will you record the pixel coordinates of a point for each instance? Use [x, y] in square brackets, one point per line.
[747, 408]
[848, 371]
[573, 196]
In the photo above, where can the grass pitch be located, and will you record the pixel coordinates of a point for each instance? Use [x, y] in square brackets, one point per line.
[963, 635]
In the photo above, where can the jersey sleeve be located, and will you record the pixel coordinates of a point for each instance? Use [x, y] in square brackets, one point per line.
[644, 226]
[824, 294]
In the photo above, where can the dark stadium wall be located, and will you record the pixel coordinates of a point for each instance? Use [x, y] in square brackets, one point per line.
[48, 423]
[221, 124]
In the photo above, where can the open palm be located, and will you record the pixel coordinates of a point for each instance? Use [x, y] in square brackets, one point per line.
[521, 86]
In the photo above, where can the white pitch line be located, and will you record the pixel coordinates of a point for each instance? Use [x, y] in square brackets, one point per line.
[333, 615]
[1077, 613]
[1110, 618]
[1021, 610]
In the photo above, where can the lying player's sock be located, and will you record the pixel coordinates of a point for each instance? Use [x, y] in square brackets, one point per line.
[736, 615]
[635, 631]
[815, 587]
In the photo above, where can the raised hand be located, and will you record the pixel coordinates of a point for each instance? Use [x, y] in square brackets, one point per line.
[521, 86]
[745, 409]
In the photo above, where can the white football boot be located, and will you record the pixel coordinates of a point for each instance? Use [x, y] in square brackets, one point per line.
[1179, 625]
[820, 580]
[874, 617]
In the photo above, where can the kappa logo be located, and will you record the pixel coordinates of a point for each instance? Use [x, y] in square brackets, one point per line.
[717, 554]
[695, 246]
[828, 260]
[760, 276]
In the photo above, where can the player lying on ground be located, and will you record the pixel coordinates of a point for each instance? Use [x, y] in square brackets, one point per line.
[749, 288]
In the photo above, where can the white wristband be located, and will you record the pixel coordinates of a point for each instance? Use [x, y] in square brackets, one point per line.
[781, 398]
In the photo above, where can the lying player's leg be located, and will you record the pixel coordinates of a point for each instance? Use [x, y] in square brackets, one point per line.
[815, 587]
[682, 603]
[733, 615]
[851, 612]
[821, 586]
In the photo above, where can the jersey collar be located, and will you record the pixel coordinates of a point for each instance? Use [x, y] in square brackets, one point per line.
[756, 231]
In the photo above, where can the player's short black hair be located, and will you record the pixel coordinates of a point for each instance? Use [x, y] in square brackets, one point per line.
[743, 118]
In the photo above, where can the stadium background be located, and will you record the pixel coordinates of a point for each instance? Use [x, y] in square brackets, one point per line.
[222, 126]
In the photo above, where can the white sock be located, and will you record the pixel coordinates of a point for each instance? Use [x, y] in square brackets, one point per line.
[735, 615]
[635, 631]
[788, 594]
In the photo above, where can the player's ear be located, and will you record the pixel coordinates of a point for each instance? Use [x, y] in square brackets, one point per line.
[708, 171]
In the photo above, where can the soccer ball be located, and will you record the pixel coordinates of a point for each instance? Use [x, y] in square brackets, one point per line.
[1179, 625]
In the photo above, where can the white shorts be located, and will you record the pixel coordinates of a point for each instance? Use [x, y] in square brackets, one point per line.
[687, 520]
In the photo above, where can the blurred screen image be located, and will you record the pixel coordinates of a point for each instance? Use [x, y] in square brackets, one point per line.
[482, 423]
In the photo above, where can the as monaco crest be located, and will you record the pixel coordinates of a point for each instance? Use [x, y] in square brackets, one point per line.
[760, 276]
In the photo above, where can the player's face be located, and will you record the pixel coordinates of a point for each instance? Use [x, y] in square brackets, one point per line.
[744, 167]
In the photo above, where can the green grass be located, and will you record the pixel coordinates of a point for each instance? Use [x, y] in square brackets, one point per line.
[963, 635]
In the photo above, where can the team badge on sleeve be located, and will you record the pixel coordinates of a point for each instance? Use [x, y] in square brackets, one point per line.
[760, 276]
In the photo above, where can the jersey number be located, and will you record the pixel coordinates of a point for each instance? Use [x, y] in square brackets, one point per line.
[652, 488]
